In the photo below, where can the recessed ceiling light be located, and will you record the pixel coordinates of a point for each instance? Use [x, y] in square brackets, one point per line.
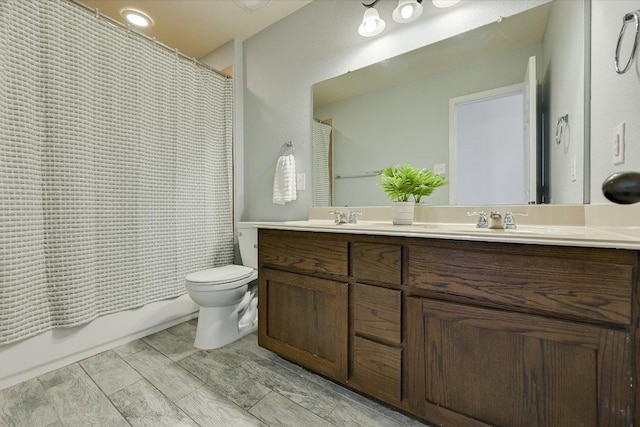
[137, 18]
[252, 5]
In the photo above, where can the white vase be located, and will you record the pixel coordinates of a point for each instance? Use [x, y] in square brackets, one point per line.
[402, 213]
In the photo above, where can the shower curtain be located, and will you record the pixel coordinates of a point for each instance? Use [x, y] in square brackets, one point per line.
[321, 176]
[115, 169]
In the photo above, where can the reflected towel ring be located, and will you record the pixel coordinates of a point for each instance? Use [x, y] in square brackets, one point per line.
[561, 126]
[635, 16]
[285, 147]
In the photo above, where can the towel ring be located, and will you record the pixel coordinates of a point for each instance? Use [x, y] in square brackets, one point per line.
[561, 126]
[286, 146]
[632, 16]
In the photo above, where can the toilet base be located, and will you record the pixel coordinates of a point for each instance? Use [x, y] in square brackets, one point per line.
[218, 326]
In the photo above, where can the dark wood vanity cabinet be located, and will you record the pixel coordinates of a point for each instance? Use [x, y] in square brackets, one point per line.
[304, 317]
[459, 333]
[478, 366]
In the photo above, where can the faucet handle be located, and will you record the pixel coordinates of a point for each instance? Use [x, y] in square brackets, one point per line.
[340, 217]
[353, 217]
[483, 222]
[509, 222]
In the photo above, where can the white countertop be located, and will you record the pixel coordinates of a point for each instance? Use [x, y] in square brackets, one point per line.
[599, 237]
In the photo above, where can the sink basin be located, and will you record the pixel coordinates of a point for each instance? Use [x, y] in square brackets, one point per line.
[521, 230]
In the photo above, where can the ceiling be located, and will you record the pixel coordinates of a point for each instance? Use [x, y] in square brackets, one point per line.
[198, 27]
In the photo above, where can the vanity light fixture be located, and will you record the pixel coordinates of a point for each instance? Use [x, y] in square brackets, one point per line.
[444, 3]
[407, 11]
[372, 24]
[136, 18]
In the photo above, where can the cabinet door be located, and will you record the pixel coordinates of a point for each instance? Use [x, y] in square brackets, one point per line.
[475, 366]
[305, 319]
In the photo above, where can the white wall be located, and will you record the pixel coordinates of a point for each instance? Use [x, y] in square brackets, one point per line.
[614, 98]
[231, 54]
[563, 93]
[315, 43]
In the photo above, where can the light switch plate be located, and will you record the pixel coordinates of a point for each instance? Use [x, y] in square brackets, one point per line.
[574, 169]
[618, 144]
[440, 169]
[301, 182]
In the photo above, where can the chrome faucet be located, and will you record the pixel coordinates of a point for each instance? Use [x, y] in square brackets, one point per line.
[340, 217]
[482, 219]
[353, 217]
[509, 222]
[495, 220]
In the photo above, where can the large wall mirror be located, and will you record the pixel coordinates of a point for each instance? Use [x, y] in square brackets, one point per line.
[402, 110]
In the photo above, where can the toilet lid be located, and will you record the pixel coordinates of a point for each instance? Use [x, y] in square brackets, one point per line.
[219, 275]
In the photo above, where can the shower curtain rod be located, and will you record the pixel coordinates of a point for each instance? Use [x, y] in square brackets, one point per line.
[129, 28]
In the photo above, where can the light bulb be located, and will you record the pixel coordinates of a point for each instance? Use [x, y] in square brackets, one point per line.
[444, 3]
[406, 11]
[371, 23]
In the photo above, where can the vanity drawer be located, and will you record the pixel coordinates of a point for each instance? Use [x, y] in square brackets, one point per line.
[377, 369]
[575, 283]
[377, 262]
[376, 312]
[303, 251]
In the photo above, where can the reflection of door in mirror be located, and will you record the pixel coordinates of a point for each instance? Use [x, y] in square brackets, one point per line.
[322, 154]
[493, 145]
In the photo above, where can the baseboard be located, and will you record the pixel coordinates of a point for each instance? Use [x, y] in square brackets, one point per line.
[57, 348]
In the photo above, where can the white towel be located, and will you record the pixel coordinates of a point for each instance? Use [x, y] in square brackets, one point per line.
[284, 182]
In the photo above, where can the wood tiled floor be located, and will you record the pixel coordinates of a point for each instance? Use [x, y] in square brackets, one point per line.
[161, 380]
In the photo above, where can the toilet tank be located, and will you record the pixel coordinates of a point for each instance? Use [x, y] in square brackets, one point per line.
[248, 241]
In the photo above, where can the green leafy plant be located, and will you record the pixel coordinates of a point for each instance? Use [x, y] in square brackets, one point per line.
[402, 182]
[426, 182]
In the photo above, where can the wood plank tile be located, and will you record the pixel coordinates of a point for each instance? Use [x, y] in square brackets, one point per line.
[26, 404]
[209, 408]
[78, 400]
[250, 343]
[172, 380]
[344, 394]
[170, 345]
[185, 331]
[143, 405]
[227, 379]
[130, 348]
[276, 410]
[110, 372]
[349, 413]
[305, 393]
[149, 357]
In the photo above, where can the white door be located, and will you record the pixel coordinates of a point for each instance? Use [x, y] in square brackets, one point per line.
[530, 108]
[492, 145]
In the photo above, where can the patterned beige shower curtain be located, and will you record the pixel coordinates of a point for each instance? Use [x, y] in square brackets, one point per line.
[115, 169]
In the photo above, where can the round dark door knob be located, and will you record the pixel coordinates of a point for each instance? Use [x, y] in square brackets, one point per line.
[622, 187]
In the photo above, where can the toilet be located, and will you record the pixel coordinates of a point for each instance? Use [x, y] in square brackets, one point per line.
[227, 296]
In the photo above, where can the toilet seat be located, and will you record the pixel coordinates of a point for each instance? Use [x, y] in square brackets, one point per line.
[221, 278]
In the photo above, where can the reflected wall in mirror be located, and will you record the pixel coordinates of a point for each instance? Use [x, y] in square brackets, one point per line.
[397, 111]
